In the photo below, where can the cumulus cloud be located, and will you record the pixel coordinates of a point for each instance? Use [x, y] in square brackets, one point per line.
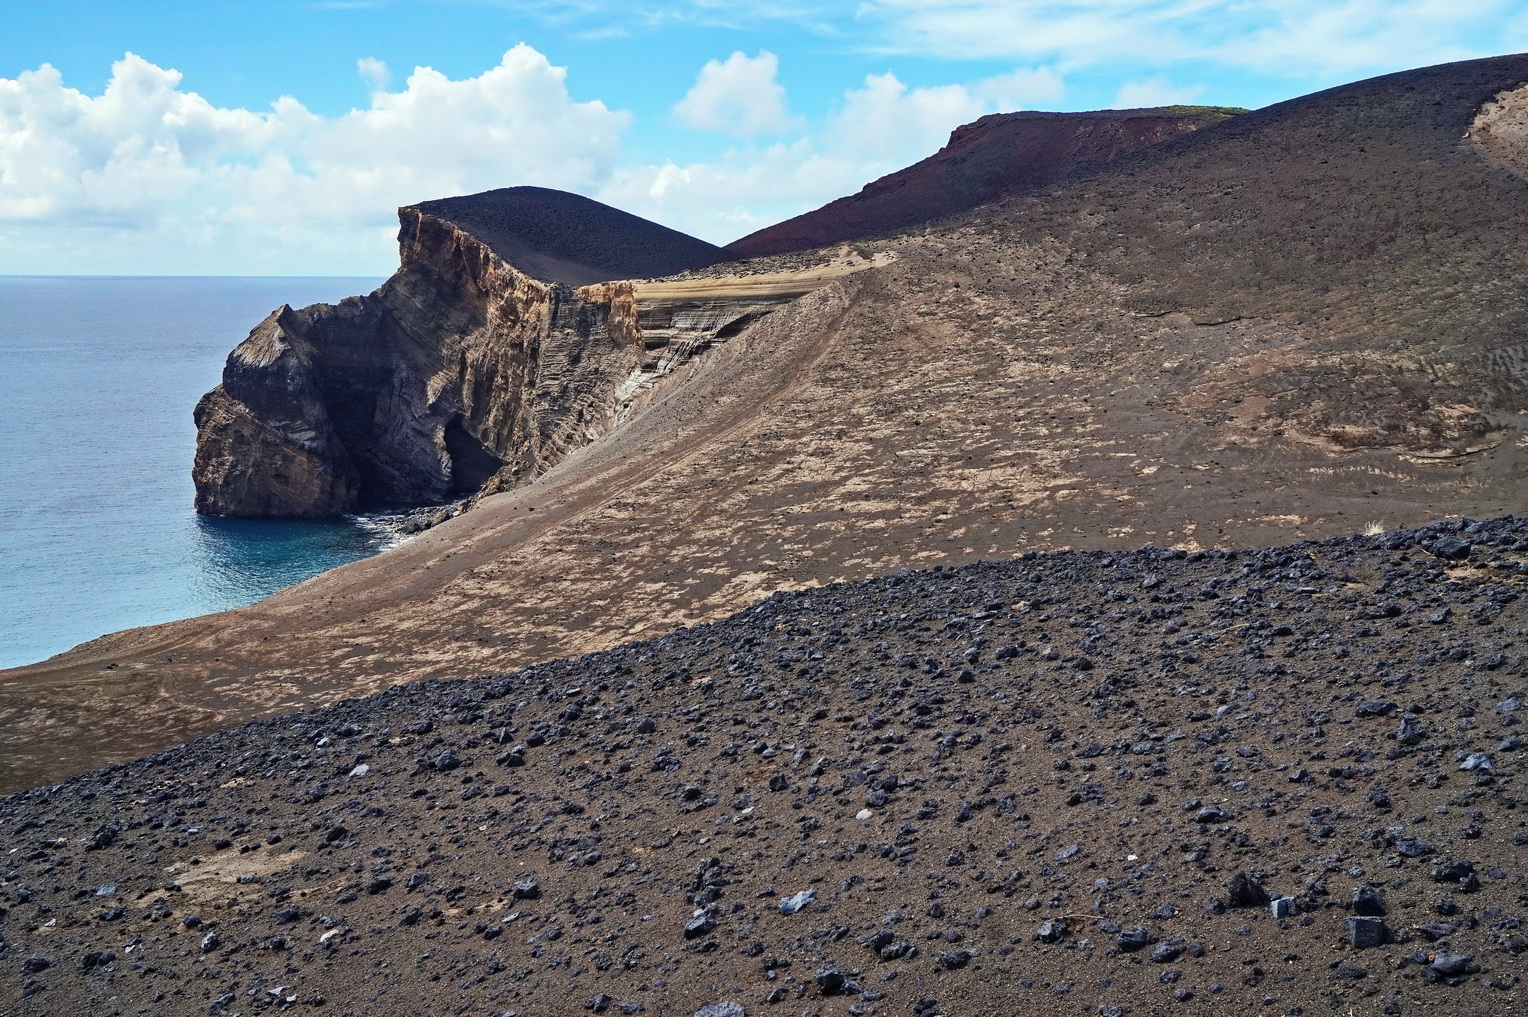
[149, 164]
[889, 121]
[150, 176]
[1022, 87]
[374, 72]
[877, 128]
[740, 96]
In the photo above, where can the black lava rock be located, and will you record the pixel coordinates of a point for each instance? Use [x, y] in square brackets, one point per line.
[1136, 937]
[1246, 892]
[1051, 931]
[830, 981]
[1451, 548]
[1369, 902]
[1366, 932]
[702, 923]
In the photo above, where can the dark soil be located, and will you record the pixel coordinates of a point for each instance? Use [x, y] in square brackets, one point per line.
[1000, 155]
[1119, 783]
[566, 238]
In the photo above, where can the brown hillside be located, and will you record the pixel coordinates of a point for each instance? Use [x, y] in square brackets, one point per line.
[566, 238]
[999, 155]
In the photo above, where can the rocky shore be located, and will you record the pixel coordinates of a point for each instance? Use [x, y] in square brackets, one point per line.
[1282, 781]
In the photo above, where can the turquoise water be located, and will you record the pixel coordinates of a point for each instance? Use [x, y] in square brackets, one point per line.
[98, 377]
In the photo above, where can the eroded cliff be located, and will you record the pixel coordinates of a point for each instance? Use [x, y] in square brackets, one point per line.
[460, 369]
[477, 366]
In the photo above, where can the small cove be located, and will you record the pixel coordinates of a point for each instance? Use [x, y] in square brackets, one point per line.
[98, 378]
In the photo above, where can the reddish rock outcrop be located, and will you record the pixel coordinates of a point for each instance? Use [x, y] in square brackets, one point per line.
[996, 156]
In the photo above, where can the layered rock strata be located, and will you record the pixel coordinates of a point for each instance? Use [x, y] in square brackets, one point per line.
[461, 370]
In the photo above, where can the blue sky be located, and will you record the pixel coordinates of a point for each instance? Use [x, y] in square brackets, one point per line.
[278, 138]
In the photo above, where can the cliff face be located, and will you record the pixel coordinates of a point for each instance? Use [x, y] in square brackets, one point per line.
[478, 365]
[458, 367]
[999, 155]
[265, 441]
[464, 372]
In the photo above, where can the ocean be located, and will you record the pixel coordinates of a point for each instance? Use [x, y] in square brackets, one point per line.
[98, 378]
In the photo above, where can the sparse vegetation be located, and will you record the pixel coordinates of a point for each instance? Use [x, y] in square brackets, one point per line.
[1188, 111]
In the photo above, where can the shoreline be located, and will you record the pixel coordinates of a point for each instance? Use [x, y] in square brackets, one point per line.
[389, 528]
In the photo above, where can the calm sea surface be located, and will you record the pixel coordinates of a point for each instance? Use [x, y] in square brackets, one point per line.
[98, 377]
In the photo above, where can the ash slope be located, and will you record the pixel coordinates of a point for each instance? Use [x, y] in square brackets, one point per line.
[997, 156]
[1054, 785]
[1294, 322]
[558, 237]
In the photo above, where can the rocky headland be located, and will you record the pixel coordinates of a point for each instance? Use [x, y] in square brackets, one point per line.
[497, 346]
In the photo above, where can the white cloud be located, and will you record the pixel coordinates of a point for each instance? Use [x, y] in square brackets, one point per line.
[1331, 39]
[740, 96]
[1022, 88]
[887, 119]
[375, 73]
[151, 177]
[1153, 92]
[1354, 36]
[197, 188]
[877, 128]
[1290, 36]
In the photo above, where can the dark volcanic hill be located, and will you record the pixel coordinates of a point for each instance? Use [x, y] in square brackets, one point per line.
[1281, 781]
[1293, 323]
[559, 237]
[999, 155]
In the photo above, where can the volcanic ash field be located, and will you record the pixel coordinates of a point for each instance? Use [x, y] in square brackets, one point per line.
[1280, 781]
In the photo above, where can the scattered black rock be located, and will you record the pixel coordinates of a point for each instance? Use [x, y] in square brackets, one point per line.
[702, 923]
[1051, 931]
[594, 874]
[1450, 548]
[727, 1008]
[796, 901]
[1369, 902]
[1246, 892]
[1366, 932]
[830, 981]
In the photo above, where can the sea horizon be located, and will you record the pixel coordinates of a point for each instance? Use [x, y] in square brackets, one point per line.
[96, 446]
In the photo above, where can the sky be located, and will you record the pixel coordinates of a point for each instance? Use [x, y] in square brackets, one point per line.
[279, 138]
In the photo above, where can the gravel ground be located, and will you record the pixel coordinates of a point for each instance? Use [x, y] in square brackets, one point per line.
[1276, 781]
